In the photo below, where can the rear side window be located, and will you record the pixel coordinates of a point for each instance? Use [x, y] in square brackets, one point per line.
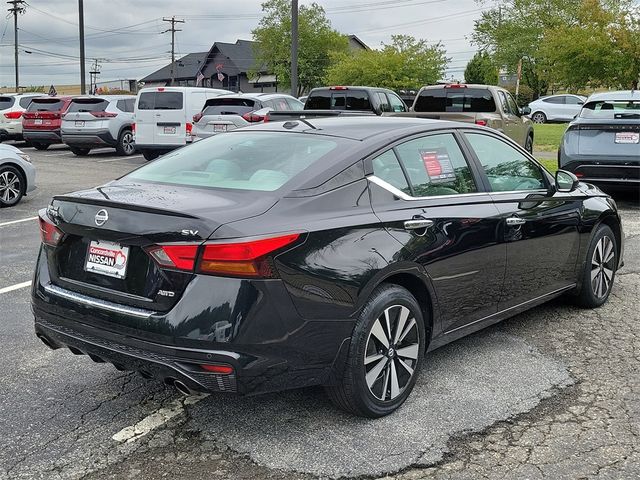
[387, 168]
[261, 161]
[6, 102]
[125, 105]
[25, 101]
[555, 100]
[319, 101]
[295, 104]
[95, 105]
[45, 105]
[436, 165]
[462, 99]
[161, 101]
[384, 102]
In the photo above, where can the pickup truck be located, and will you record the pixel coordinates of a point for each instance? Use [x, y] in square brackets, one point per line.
[485, 105]
[345, 101]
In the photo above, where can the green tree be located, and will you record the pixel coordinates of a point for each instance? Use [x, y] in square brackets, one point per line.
[404, 63]
[318, 43]
[481, 69]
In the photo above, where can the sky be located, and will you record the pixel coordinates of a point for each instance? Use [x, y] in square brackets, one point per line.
[127, 38]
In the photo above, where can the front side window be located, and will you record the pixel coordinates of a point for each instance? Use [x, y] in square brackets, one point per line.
[513, 106]
[507, 168]
[260, 161]
[397, 105]
[436, 166]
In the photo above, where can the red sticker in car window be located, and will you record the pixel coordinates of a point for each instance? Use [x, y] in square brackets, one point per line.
[438, 165]
[431, 163]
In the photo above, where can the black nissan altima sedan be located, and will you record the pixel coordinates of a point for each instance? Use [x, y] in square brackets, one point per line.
[332, 252]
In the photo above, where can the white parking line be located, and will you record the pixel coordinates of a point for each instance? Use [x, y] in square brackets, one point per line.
[17, 286]
[156, 419]
[119, 158]
[18, 221]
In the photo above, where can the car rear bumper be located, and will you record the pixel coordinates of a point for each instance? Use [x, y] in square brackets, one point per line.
[624, 171]
[93, 139]
[158, 148]
[261, 336]
[42, 136]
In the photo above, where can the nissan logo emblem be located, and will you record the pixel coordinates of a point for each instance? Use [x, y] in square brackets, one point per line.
[101, 217]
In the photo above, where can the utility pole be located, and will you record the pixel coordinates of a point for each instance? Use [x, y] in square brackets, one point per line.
[93, 74]
[83, 82]
[173, 31]
[16, 8]
[294, 48]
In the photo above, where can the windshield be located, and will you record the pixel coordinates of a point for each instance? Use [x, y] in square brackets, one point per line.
[262, 161]
[611, 109]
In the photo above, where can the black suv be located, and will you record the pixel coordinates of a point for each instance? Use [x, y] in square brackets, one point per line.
[360, 99]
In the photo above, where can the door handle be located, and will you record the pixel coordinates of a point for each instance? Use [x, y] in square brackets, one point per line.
[417, 224]
[514, 221]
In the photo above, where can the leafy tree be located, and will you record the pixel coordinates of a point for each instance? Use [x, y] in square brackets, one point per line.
[404, 63]
[318, 43]
[481, 69]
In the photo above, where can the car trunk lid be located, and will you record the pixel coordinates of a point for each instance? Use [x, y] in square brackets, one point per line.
[86, 114]
[614, 140]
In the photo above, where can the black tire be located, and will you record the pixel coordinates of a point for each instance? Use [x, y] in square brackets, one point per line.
[538, 117]
[39, 146]
[80, 151]
[599, 269]
[354, 393]
[125, 146]
[528, 144]
[12, 186]
[150, 155]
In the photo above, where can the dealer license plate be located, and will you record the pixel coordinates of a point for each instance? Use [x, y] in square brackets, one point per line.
[79, 123]
[220, 127]
[107, 258]
[627, 137]
[37, 121]
[169, 130]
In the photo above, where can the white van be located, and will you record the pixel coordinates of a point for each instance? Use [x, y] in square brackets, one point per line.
[164, 116]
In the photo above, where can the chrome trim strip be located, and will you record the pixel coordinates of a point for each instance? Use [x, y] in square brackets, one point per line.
[96, 302]
[511, 308]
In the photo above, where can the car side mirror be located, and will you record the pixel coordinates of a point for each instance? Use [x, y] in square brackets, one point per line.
[566, 181]
[525, 111]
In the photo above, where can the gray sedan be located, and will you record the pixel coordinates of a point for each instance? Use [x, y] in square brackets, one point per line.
[17, 175]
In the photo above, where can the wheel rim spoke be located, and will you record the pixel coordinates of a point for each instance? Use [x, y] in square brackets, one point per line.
[608, 274]
[406, 367]
[412, 324]
[378, 332]
[395, 388]
[374, 373]
[404, 315]
[385, 384]
[372, 358]
[409, 352]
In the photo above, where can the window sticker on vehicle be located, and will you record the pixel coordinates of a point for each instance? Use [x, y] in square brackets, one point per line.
[438, 165]
[107, 258]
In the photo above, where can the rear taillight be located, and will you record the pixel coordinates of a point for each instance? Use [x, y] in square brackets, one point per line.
[13, 115]
[253, 118]
[220, 369]
[178, 256]
[243, 259]
[133, 128]
[197, 117]
[578, 174]
[103, 114]
[49, 233]
[188, 128]
[482, 123]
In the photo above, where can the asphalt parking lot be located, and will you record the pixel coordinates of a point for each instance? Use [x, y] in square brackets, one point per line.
[552, 393]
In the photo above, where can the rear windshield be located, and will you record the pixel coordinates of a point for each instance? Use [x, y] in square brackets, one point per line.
[93, 105]
[6, 102]
[262, 161]
[160, 101]
[611, 109]
[478, 100]
[45, 105]
[338, 100]
[227, 110]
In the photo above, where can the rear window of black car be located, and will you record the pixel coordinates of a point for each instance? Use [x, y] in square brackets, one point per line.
[93, 105]
[6, 102]
[338, 100]
[462, 99]
[45, 105]
[260, 161]
[160, 101]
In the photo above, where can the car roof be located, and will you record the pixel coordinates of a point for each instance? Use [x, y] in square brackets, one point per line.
[254, 96]
[618, 95]
[338, 88]
[109, 98]
[360, 127]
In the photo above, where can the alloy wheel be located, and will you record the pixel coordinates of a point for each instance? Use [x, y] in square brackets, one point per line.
[602, 267]
[391, 354]
[538, 118]
[127, 143]
[9, 187]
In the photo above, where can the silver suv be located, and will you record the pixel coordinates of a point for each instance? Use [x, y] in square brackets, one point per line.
[12, 105]
[228, 112]
[97, 122]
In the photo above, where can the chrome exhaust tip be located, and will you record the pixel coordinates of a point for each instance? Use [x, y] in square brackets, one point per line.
[182, 388]
[47, 342]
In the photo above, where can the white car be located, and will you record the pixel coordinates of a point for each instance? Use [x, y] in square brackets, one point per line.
[17, 175]
[556, 108]
[11, 108]
[164, 116]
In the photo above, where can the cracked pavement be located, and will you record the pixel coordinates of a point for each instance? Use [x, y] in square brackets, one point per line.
[552, 393]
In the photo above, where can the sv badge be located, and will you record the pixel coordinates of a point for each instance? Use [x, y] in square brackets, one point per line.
[189, 233]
